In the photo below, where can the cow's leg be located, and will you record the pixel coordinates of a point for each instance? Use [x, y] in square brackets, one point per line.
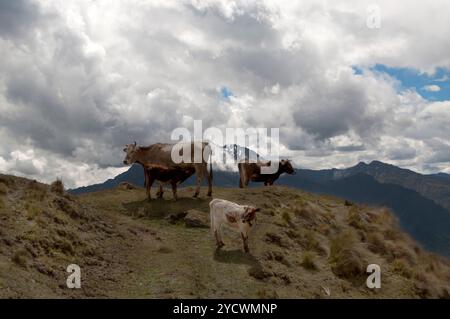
[146, 175]
[199, 176]
[160, 191]
[208, 178]
[244, 241]
[174, 190]
[219, 241]
[150, 181]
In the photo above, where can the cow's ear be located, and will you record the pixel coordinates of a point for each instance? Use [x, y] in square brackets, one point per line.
[256, 209]
[250, 212]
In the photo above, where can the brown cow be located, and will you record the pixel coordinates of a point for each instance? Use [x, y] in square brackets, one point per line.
[166, 175]
[251, 171]
[157, 159]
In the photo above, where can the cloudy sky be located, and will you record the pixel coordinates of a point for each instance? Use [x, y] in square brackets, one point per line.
[79, 79]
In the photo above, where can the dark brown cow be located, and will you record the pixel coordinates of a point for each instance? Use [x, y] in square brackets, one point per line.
[158, 164]
[166, 175]
[251, 171]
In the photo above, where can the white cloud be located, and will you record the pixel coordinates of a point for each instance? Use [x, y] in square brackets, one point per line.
[432, 88]
[78, 79]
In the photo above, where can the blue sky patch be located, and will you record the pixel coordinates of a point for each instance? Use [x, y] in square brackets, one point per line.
[225, 92]
[434, 87]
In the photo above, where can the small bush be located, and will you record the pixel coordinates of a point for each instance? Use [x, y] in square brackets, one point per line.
[57, 187]
[348, 203]
[308, 261]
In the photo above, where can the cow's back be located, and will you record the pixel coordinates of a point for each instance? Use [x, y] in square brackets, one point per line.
[161, 153]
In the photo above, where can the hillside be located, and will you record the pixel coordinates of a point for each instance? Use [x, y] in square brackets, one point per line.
[420, 216]
[43, 230]
[436, 187]
[303, 246]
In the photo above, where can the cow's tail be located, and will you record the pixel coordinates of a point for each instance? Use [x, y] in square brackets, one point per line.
[210, 166]
[241, 174]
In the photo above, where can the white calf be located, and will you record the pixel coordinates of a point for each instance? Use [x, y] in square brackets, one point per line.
[239, 217]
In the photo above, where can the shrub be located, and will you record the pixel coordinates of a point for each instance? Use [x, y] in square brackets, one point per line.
[308, 261]
[348, 203]
[57, 187]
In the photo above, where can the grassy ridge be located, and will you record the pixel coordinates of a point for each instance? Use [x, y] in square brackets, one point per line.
[303, 246]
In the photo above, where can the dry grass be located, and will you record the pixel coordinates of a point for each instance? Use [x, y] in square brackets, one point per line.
[57, 187]
[308, 261]
[345, 258]
[401, 267]
[20, 258]
[175, 261]
[356, 219]
[3, 188]
[376, 243]
[286, 217]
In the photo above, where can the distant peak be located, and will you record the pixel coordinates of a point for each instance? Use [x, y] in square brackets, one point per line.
[361, 164]
[378, 163]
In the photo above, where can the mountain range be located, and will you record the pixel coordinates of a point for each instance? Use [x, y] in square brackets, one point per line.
[420, 202]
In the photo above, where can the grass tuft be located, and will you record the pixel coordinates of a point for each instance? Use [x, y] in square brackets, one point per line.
[345, 258]
[57, 187]
[308, 261]
[20, 258]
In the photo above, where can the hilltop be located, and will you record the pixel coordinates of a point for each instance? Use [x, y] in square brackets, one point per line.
[303, 246]
[418, 201]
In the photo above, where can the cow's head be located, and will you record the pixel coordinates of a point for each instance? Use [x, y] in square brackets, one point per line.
[249, 214]
[286, 167]
[130, 150]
